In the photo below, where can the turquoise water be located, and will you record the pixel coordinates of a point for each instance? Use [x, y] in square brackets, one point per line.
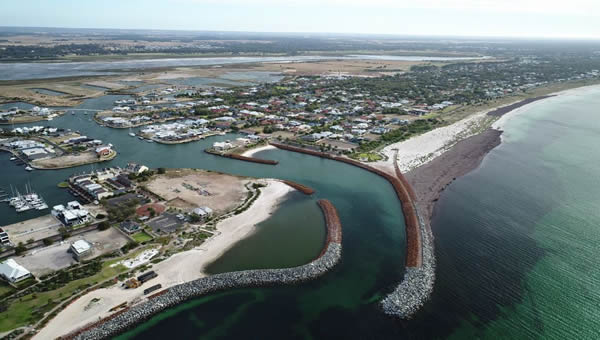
[517, 242]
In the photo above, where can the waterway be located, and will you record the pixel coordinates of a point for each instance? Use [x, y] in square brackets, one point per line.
[517, 242]
[19, 71]
[516, 239]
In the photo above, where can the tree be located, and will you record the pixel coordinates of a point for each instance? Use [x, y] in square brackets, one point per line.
[20, 248]
[103, 225]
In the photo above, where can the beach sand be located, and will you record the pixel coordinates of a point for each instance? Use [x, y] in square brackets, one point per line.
[182, 267]
[252, 152]
[430, 175]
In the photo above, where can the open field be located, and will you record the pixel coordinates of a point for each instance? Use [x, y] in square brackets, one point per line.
[352, 67]
[56, 256]
[71, 160]
[28, 308]
[199, 188]
[26, 91]
[141, 237]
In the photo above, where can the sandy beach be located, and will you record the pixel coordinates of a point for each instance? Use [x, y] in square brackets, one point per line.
[182, 267]
[460, 151]
[252, 152]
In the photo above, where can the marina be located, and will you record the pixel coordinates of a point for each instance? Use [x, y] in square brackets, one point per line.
[24, 202]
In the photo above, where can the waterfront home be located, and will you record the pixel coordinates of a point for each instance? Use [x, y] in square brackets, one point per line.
[13, 272]
[103, 151]
[72, 215]
[136, 168]
[222, 146]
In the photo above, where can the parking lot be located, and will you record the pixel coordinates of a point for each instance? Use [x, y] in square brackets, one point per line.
[166, 223]
[54, 257]
[36, 229]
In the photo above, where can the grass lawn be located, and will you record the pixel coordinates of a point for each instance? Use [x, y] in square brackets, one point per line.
[31, 308]
[369, 157]
[141, 236]
[5, 289]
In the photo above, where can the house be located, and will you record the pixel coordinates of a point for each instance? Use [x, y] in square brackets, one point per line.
[80, 249]
[72, 215]
[136, 168]
[203, 212]
[103, 151]
[130, 227]
[222, 146]
[13, 272]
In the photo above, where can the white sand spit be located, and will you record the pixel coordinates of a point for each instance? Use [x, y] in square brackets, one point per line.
[179, 268]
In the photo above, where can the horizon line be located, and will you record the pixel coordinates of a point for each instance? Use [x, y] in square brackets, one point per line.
[390, 35]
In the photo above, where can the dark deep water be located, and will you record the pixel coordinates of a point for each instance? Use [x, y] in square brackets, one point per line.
[516, 240]
[516, 244]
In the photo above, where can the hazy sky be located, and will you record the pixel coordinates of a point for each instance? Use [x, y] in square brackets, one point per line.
[525, 18]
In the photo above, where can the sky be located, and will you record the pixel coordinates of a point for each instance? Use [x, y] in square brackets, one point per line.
[504, 18]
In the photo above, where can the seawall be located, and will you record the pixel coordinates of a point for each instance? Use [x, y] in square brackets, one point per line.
[300, 187]
[129, 317]
[417, 285]
[402, 191]
[242, 158]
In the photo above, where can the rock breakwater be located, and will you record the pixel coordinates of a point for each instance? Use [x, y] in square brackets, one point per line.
[128, 318]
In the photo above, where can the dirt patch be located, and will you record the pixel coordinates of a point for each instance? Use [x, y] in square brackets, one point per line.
[145, 210]
[68, 161]
[187, 188]
[352, 67]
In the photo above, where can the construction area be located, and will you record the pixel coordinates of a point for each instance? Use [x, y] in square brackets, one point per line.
[189, 188]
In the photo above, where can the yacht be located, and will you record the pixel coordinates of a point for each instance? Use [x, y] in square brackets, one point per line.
[13, 158]
[28, 168]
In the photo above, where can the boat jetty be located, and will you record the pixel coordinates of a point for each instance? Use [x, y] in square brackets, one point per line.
[24, 202]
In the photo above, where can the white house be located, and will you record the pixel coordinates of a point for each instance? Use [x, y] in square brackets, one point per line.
[13, 272]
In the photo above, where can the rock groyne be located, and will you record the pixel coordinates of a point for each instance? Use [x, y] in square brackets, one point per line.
[419, 277]
[128, 318]
[413, 246]
[300, 187]
[242, 158]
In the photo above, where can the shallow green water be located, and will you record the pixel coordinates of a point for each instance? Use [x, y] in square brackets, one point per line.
[517, 243]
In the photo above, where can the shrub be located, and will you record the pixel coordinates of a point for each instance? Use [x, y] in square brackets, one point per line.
[103, 225]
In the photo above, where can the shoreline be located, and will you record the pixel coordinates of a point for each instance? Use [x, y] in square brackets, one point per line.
[429, 180]
[252, 152]
[229, 231]
[431, 177]
[129, 317]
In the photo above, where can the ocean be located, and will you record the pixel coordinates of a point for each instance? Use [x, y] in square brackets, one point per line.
[517, 242]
